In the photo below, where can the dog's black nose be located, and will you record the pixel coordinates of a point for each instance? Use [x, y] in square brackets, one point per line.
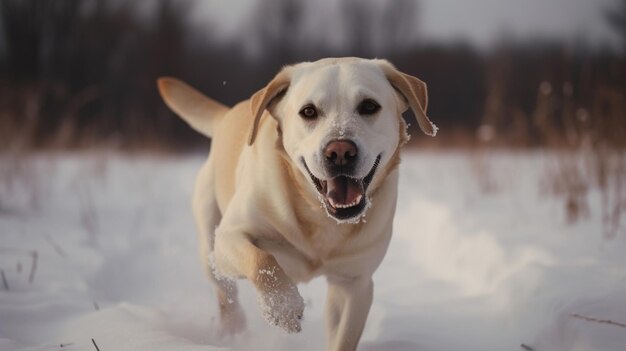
[341, 153]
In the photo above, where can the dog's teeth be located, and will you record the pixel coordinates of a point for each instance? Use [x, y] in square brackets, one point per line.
[353, 203]
[332, 203]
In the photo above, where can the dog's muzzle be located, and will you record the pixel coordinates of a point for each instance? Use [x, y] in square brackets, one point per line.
[343, 196]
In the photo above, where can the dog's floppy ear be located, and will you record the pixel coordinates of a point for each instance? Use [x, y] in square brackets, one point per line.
[415, 93]
[264, 97]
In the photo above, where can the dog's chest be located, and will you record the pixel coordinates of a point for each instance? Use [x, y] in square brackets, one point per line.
[324, 241]
[304, 254]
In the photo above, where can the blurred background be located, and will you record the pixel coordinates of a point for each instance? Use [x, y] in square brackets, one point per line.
[81, 73]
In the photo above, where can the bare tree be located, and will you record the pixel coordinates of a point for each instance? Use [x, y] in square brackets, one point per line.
[279, 37]
[379, 31]
[616, 18]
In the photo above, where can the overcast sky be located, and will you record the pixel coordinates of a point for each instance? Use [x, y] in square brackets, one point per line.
[479, 21]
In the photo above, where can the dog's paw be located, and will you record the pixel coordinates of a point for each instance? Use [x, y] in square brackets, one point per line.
[282, 304]
[283, 308]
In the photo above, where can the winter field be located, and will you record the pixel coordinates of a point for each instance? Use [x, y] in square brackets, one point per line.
[102, 246]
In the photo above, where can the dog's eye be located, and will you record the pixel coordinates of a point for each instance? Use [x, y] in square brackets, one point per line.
[308, 112]
[368, 107]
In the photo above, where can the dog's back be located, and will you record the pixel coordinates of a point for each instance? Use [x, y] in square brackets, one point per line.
[226, 147]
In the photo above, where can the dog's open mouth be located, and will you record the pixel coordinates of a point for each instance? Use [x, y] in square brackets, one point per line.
[344, 197]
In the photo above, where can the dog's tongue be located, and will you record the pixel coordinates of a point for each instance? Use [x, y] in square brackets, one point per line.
[344, 191]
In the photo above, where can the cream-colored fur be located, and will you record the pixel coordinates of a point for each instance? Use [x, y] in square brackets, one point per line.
[258, 212]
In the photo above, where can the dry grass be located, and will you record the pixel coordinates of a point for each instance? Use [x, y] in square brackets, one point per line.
[587, 150]
[597, 320]
[482, 171]
[21, 184]
[584, 139]
[88, 213]
[566, 179]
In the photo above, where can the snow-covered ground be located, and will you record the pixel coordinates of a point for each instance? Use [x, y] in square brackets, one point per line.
[482, 259]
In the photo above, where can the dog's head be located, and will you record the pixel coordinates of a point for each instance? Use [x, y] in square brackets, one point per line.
[341, 124]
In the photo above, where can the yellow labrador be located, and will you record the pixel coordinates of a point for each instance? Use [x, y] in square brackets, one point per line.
[301, 181]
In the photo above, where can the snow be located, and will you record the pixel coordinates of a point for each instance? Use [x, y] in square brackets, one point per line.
[280, 305]
[470, 267]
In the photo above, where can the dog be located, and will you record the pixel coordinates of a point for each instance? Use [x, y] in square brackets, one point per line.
[301, 181]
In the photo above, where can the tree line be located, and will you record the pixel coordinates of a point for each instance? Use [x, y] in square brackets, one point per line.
[76, 73]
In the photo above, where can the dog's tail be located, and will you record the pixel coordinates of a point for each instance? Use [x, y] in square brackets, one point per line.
[198, 110]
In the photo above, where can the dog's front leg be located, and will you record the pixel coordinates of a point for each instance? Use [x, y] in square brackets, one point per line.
[347, 305]
[236, 255]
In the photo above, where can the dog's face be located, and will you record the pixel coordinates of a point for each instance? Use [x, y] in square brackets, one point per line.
[341, 125]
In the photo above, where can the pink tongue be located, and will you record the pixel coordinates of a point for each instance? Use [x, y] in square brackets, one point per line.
[343, 190]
